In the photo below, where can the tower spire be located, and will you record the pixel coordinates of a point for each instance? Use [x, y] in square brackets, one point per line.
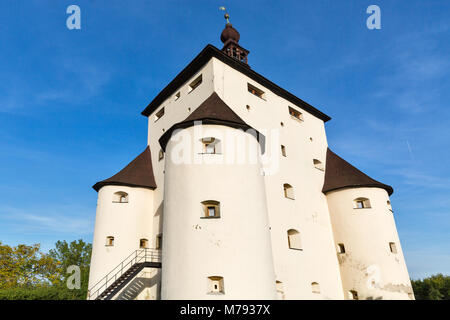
[230, 38]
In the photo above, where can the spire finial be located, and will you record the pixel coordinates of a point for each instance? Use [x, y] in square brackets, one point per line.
[227, 16]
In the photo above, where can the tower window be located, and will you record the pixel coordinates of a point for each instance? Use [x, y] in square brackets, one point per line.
[288, 191]
[283, 151]
[160, 155]
[361, 203]
[297, 115]
[315, 287]
[341, 248]
[210, 209]
[248, 107]
[255, 91]
[177, 96]
[294, 240]
[211, 145]
[109, 241]
[215, 285]
[194, 84]
[318, 165]
[393, 247]
[158, 244]
[159, 114]
[120, 197]
[143, 243]
[353, 295]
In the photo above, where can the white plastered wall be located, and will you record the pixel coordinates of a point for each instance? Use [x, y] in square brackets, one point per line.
[368, 266]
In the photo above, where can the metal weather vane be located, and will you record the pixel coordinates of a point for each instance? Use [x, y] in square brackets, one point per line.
[227, 16]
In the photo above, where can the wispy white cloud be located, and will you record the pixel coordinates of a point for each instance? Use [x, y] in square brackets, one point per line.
[58, 219]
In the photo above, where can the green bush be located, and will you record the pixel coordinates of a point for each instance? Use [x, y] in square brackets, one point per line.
[42, 293]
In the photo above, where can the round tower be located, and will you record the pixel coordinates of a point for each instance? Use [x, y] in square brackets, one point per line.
[123, 220]
[367, 244]
[216, 238]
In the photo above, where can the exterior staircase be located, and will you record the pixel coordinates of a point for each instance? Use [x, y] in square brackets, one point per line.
[121, 275]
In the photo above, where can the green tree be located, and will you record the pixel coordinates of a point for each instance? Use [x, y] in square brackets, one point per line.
[76, 253]
[436, 287]
[28, 274]
[25, 266]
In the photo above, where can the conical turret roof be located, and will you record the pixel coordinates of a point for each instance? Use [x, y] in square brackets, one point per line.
[212, 111]
[138, 173]
[341, 174]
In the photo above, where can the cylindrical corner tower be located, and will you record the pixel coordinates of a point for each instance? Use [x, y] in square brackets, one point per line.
[367, 244]
[123, 220]
[216, 238]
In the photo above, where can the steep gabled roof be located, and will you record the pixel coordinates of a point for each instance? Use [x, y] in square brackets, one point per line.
[341, 174]
[138, 173]
[212, 111]
[202, 58]
[215, 108]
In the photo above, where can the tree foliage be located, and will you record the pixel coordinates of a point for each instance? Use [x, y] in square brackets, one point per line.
[436, 287]
[27, 273]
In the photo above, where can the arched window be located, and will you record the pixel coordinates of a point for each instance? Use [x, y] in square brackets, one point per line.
[315, 287]
[120, 197]
[294, 239]
[160, 155]
[210, 209]
[211, 145]
[216, 285]
[280, 290]
[143, 243]
[341, 248]
[361, 203]
[288, 191]
[393, 247]
[318, 165]
[109, 241]
[353, 295]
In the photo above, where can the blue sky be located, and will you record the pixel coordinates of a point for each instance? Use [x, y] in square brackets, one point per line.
[70, 100]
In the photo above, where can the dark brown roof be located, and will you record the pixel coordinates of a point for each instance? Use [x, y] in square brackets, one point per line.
[212, 111]
[341, 174]
[202, 58]
[138, 173]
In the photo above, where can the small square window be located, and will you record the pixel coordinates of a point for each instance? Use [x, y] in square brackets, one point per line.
[143, 243]
[283, 151]
[393, 247]
[159, 114]
[216, 285]
[255, 91]
[194, 84]
[353, 295]
[341, 248]
[109, 241]
[211, 209]
[297, 115]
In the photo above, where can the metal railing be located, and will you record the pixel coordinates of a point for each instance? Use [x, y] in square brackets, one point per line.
[138, 256]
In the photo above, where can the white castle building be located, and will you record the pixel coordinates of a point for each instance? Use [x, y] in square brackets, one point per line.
[237, 196]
